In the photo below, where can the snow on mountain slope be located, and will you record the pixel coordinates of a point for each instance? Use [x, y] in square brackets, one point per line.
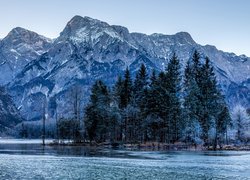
[17, 49]
[9, 115]
[88, 49]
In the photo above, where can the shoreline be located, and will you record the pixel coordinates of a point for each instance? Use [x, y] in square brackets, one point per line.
[148, 146]
[153, 146]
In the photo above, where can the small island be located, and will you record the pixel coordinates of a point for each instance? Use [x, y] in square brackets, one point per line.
[166, 110]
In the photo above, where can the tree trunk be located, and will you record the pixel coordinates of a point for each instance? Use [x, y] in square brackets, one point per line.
[43, 125]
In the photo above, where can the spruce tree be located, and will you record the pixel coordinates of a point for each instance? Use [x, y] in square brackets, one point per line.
[97, 113]
[126, 92]
[140, 84]
[209, 98]
[222, 121]
[152, 103]
[173, 81]
[164, 106]
[118, 105]
[153, 121]
[117, 92]
[140, 91]
[192, 99]
[126, 96]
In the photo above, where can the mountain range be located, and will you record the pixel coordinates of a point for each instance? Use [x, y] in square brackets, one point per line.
[87, 49]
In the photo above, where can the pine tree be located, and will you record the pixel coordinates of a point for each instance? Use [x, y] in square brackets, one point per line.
[164, 106]
[173, 80]
[209, 98]
[126, 96]
[190, 105]
[127, 89]
[153, 121]
[118, 105]
[117, 92]
[152, 103]
[140, 91]
[97, 120]
[222, 121]
[193, 108]
[140, 84]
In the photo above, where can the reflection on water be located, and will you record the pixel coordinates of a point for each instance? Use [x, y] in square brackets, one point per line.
[24, 160]
[38, 149]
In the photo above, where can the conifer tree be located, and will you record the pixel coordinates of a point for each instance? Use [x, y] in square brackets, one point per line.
[164, 106]
[118, 105]
[97, 113]
[222, 121]
[193, 104]
[140, 84]
[126, 96]
[173, 80]
[152, 103]
[117, 92]
[190, 104]
[152, 109]
[140, 91]
[126, 92]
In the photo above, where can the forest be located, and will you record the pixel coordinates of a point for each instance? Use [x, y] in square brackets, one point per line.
[170, 106]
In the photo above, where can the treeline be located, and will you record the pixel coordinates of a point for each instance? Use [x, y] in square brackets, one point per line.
[168, 107]
[165, 107]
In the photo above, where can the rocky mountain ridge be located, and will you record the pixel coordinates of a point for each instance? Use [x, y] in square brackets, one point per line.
[89, 49]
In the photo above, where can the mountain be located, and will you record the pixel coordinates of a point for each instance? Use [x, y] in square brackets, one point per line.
[89, 49]
[17, 49]
[9, 115]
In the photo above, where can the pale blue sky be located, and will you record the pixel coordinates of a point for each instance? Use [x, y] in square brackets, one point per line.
[223, 23]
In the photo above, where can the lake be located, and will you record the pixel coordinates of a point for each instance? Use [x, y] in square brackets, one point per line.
[27, 159]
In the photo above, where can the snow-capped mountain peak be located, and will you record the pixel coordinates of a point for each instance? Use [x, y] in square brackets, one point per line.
[82, 29]
[89, 49]
[19, 34]
[17, 49]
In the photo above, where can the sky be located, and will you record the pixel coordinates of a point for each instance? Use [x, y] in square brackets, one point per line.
[223, 23]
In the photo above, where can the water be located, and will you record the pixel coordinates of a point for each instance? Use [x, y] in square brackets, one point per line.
[29, 160]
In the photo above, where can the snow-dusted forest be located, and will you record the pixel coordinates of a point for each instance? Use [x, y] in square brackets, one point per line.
[170, 107]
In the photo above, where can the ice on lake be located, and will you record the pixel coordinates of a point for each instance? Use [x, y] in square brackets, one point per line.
[32, 161]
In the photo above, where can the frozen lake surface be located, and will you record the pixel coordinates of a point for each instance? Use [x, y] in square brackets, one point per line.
[29, 160]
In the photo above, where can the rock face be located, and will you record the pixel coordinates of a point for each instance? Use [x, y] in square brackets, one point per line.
[17, 49]
[88, 49]
[9, 115]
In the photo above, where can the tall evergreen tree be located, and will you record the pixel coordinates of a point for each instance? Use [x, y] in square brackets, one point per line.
[153, 121]
[164, 106]
[97, 113]
[222, 122]
[117, 92]
[126, 93]
[118, 105]
[140, 91]
[152, 103]
[140, 84]
[173, 80]
[191, 104]
[194, 104]
[126, 96]
[209, 98]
